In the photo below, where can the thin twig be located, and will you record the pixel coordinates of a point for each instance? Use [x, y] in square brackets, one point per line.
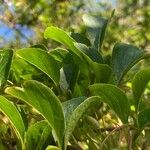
[115, 129]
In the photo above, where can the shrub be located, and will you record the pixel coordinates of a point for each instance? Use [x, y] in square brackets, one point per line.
[74, 97]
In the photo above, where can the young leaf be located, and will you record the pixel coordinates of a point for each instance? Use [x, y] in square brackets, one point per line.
[44, 101]
[139, 83]
[124, 57]
[5, 63]
[42, 60]
[14, 116]
[114, 97]
[37, 134]
[76, 114]
[144, 118]
[61, 37]
[96, 27]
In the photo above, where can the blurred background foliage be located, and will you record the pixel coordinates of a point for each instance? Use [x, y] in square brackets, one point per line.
[22, 22]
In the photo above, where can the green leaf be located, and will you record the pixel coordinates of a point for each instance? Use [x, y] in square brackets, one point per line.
[21, 70]
[77, 113]
[139, 83]
[144, 118]
[37, 135]
[80, 39]
[14, 116]
[78, 90]
[102, 72]
[59, 54]
[44, 101]
[68, 76]
[62, 37]
[91, 52]
[124, 57]
[5, 63]
[96, 27]
[70, 105]
[114, 97]
[42, 60]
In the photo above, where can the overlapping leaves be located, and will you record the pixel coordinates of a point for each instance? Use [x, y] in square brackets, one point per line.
[45, 102]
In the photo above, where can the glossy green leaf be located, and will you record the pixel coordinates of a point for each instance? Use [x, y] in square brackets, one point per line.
[42, 60]
[96, 26]
[5, 63]
[37, 135]
[14, 116]
[44, 101]
[144, 118]
[62, 37]
[139, 83]
[77, 113]
[124, 57]
[114, 97]
[68, 76]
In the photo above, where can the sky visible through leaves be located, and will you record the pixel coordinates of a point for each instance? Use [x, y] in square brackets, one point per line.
[7, 33]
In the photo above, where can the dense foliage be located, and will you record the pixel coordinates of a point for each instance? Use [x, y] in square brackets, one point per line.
[74, 96]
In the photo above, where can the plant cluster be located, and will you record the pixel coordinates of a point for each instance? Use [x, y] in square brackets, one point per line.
[74, 97]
